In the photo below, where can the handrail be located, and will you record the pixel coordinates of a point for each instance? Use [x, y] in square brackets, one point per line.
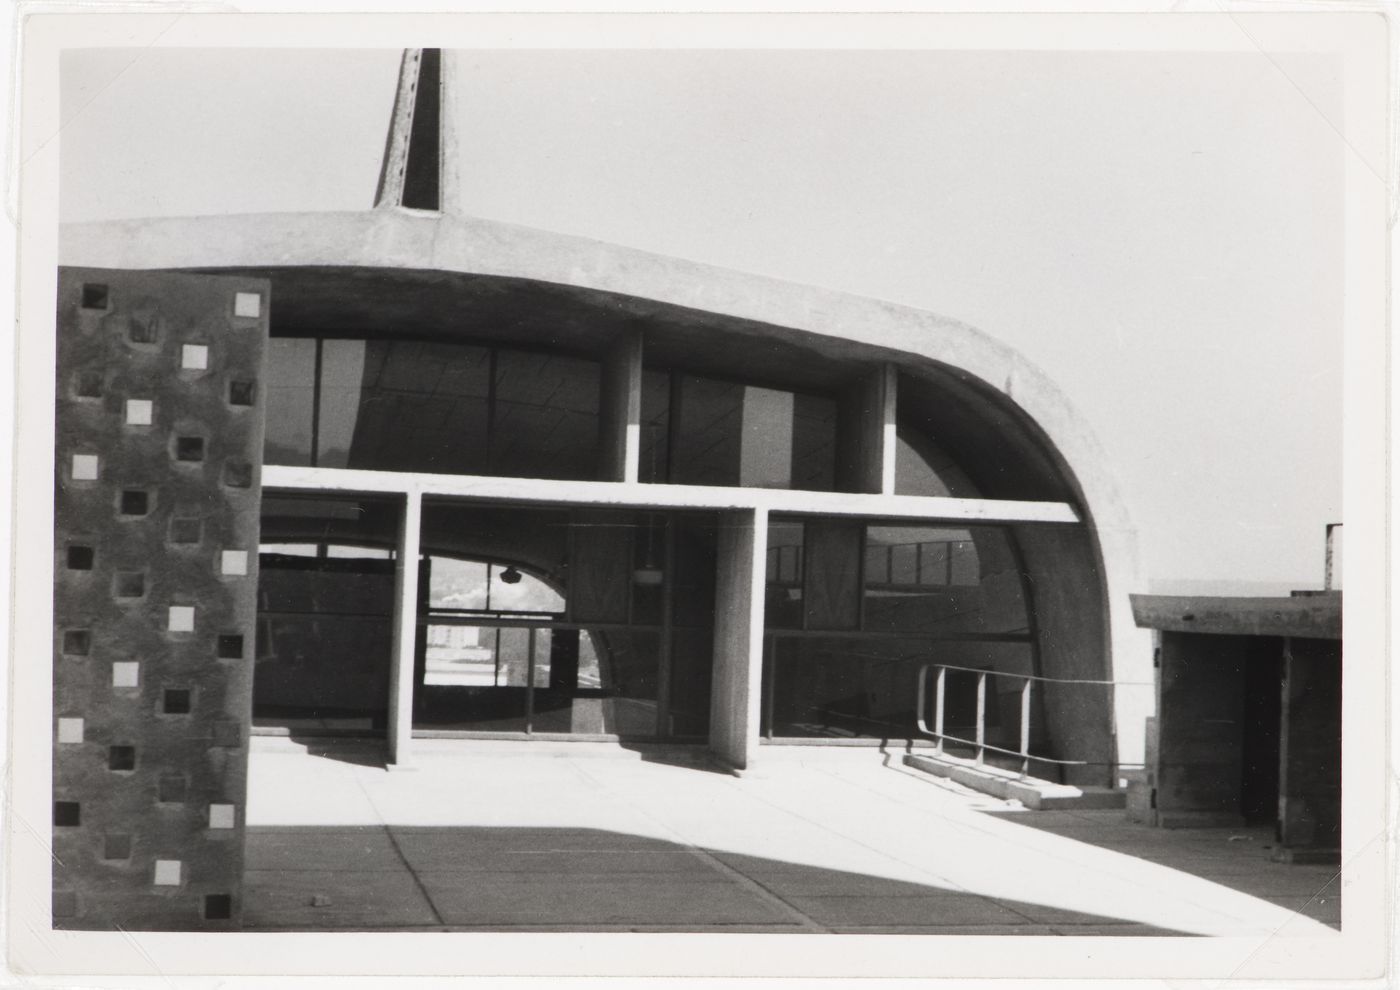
[1036, 677]
[981, 744]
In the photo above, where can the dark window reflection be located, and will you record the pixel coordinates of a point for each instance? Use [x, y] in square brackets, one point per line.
[291, 380]
[854, 611]
[703, 431]
[431, 407]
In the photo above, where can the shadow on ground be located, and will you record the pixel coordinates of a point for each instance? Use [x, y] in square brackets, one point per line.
[568, 879]
[1238, 858]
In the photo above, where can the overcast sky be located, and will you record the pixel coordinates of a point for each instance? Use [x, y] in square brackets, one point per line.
[1160, 233]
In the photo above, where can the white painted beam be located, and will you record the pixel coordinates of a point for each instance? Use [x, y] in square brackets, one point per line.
[605, 493]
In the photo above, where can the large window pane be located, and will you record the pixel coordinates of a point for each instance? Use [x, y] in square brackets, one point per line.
[944, 580]
[418, 406]
[291, 379]
[545, 416]
[325, 606]
[730, 434]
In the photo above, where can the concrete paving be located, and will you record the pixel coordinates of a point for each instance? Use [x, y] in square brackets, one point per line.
[501, 836]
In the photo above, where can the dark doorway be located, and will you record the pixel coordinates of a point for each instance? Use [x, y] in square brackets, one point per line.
[1263, 679]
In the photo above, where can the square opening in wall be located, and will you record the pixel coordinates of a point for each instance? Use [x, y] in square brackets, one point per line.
[230, 646]
[88, 385]
[234, 563]
[194, 357]
[167, 873]
[181, 619]
[135, 502]
[70, 730]
[94, 295]
[116, 845]
[171, 789]
[126, 674]
[189, 449]
[67, 814]
[238, 474]
[65, 904]
[176, 701]
[141, 329]
[139, 412]
[240, 393]
[121, 757]
[77, 642]
[221, 816]
[129, 584]
[186, 530]
[84, 467]
[218, 907]
[80, 558]
[247, 304]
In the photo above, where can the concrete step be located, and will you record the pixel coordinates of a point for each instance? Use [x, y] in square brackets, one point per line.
[1008, 785]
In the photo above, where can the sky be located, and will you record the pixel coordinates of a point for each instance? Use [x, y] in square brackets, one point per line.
[1161, 233]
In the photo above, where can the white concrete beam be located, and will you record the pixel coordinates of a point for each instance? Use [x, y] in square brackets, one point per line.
[604, 493]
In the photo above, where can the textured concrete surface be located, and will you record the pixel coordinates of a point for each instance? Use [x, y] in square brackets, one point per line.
[156, 535]
[593, 837]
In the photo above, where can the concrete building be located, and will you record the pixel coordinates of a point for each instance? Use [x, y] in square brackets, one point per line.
[410, 474]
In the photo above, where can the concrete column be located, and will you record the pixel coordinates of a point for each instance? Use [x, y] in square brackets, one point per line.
[738, 662]
[405, 631]
[866, 441]
[621, 422]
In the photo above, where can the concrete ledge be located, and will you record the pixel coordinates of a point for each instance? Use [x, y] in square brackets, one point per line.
[1040, 795]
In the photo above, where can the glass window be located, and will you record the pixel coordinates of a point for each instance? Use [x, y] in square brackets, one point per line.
[291, 381]
[943, 580]
[406, 405]
[325, 629]
[922, 467]
[731, 434]
[545, 416]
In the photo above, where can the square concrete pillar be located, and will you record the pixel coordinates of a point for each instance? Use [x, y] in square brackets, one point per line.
[621, 413]
[405, 638]
[866, 440]
[738, 658]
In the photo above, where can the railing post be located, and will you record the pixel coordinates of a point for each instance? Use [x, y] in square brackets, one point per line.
[530, 680]
[938, 713]
[1026, 727]
[981, 715]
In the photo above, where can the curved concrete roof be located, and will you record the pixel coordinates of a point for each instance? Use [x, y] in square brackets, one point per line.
[421, 240]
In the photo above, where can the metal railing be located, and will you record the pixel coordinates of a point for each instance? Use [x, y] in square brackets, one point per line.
[980, 743]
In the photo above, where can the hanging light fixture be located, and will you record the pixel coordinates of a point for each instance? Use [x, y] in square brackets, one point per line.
[510, 575]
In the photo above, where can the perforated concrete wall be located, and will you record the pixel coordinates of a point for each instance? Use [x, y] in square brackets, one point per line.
[159, 435]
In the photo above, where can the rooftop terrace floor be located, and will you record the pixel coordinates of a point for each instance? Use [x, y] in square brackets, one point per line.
[501, 836]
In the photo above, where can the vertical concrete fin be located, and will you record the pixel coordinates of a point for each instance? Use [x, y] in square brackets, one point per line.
[391, 171]
[412, 173]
